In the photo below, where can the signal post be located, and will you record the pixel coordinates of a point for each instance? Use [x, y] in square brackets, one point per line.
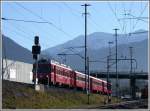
[36, 50]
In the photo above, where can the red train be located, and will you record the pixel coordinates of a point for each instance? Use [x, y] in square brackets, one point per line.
[60, 74]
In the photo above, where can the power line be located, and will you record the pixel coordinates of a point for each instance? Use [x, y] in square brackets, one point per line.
[16, 32]
[50, 23]
[124, 22]
[110, 7]
[140, 15]
[75, 14]
[76, 53]
[92, 20]
[134, 17]
[25, 35]
[35, 25]
[130, 11]
[23, 20]
[96, 24]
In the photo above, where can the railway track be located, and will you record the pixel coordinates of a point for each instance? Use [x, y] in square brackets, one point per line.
[135, 104]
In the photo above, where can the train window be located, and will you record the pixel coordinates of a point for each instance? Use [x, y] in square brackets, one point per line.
[97, 83]
[67, 74]
[57, 70]
[42, 68]
[61, 72]
[80, 78]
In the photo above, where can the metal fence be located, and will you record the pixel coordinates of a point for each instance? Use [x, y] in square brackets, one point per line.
[17, 71]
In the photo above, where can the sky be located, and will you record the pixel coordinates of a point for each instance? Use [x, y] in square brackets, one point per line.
[65, 20]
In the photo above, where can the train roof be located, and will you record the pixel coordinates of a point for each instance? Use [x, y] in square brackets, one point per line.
[61, 65]
[91, 77]
[98, 79]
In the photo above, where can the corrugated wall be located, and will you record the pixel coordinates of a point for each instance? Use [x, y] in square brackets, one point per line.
[17, 71]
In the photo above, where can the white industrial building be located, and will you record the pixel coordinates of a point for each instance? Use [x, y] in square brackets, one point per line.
[17, 71]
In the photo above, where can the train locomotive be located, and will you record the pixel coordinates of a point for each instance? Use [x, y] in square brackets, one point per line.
[51, 72]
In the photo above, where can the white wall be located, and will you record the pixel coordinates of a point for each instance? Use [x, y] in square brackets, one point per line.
[17, 71]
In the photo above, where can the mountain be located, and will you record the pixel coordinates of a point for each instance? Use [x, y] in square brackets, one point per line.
[98, 48]
[12, 50]
[97, 40]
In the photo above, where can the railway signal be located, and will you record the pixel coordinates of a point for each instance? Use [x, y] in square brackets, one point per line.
[36, 50]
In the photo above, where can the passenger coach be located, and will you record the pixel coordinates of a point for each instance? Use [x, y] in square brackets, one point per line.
[51, 72]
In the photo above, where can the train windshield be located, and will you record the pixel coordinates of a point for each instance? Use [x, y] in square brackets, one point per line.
[42, 68]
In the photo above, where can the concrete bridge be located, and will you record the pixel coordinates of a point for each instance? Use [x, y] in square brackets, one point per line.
[121, 75]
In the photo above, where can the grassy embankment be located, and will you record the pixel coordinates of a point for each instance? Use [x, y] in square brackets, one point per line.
[17, 95]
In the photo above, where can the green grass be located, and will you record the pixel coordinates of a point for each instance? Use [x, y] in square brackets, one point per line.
[20, 96]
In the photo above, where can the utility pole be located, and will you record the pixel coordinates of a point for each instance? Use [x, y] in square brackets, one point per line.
[108, 66]
[85, 13]
[132, 80]
[117, 85]
[2, 68]
[108, 76]
[110, 42]
[131, 58]
[88, 80]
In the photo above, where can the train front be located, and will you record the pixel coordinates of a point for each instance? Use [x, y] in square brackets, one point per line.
[43, 71]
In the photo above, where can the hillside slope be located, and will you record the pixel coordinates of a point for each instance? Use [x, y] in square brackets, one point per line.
[18, 95]
[14, 51]
[97, 48]
[96, 41]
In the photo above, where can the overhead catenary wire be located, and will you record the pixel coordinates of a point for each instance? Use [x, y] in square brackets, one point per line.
[59, 8]
[21, 29]
[140, 16]
[124, 22]
[15, 32]
[20, 20]
[75, 13]
[96, 25]
[130, 11]
[42, 18]
[24, 34]
[18, 32]
[36, 26]
[115, 14]
[76, 53]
